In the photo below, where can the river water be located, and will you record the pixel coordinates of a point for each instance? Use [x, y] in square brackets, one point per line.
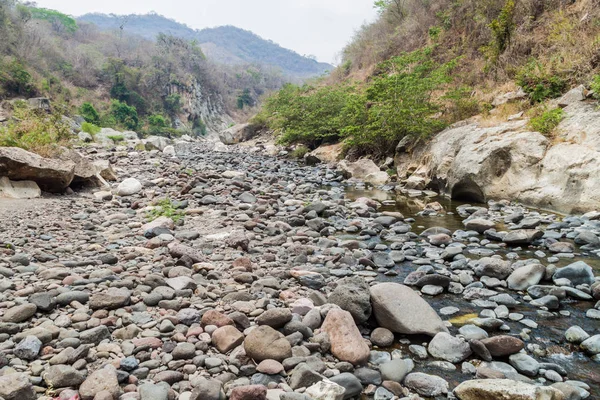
[550, 331]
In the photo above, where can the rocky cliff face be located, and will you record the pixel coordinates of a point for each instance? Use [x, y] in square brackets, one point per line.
[508, 161]
[199, 104]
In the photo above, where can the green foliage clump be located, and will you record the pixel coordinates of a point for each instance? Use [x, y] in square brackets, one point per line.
[90, 128]
[124, 114]
[15, 79]
[35, 131]
[300, 151]
[310, 115]
[60, 22]
[165, 208]
[539, 83]
[172, 104]
[395, 103]
[158, 123]
[244, 99]
[502, 29]
[595, 86]
[546, 121]
[89, 113]
[116, 138]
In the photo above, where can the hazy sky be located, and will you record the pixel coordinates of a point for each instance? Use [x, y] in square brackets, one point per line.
[318, 27]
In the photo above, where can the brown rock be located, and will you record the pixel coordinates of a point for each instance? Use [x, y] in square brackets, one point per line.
[270, 367]
[104, 379]
[265, 343]
[347, 343]
[227, 338]
[252, 392]
[501, 346]
[216, 318]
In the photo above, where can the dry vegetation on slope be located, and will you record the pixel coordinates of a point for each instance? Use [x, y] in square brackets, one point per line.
[492, 46]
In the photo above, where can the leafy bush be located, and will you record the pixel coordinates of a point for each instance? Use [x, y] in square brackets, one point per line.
[35, 130]
[300, 151]
[172, 104]
[124, 114]
[60, 22]
[15, 79]
[165, 208]
[116, 138]
[244, 99]
[90, 128]
[396, 102]
[595, 86]
[89, 113]
[158, 124]
[502, 29]
[539, 83]
[306, 114]
[546, 121]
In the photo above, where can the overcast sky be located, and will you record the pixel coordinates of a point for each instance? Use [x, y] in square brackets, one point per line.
[317, 27]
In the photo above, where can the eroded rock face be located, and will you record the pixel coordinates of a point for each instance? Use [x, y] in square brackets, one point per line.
[507, 161]
[51, 175]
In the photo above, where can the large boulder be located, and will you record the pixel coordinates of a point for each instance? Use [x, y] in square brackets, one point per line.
[87, 173]
[352, 294]
[51, 175]
[365, 170]
[238, 133]
[578, 273]
[18, 189]
[347, 343]
[526, 276]
[401, 310]
[156, 142]
[327, 154]
[492, 389]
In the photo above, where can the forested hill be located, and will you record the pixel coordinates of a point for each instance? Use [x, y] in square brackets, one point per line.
[225, 44]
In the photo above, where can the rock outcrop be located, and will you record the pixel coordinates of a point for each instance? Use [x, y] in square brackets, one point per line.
[51, 175]
[475, 162]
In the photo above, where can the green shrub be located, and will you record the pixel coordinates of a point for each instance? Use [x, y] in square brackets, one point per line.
[36, 131]
[90, 128]
[124, 114]
[595, 86]
[244, 99]
[547, 121]
[395, 102]
[165, 208]
[158, 123]
[502, 29]
[539, 83]
[15, 79]
[300, 152]
[89, 113]
[116, 138]
[172, 104]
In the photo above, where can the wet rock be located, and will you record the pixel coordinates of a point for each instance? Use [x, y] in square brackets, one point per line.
[382, 337]
[426, 385]
[447, 347]
[578, 273]
[501, 346]
[526, 276]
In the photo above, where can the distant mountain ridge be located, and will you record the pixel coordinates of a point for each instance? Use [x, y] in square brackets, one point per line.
[224, 44]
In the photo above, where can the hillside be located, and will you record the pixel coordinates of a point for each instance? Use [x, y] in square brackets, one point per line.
[224, 44]
[422, 66]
